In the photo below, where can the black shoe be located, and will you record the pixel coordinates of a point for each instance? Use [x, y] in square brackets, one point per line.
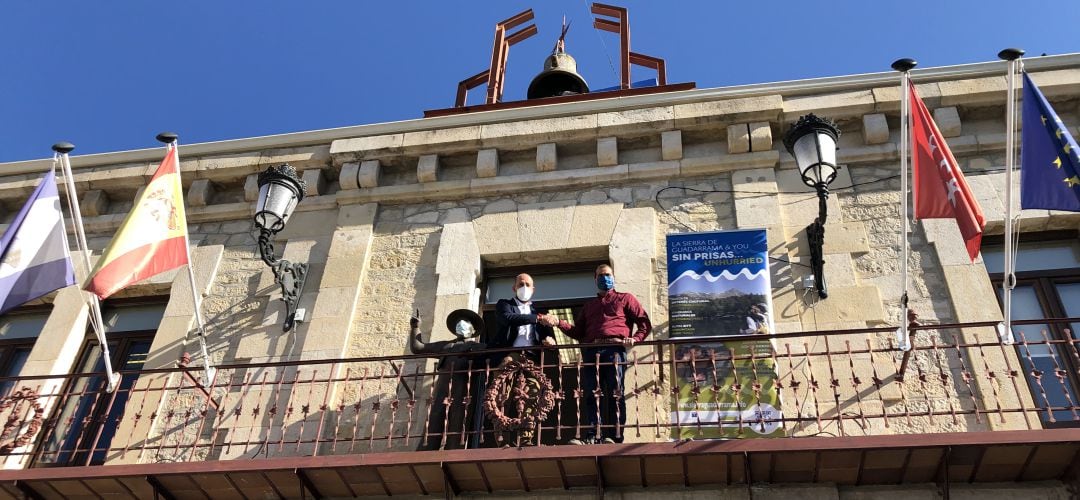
[583, 440]
[607, 441]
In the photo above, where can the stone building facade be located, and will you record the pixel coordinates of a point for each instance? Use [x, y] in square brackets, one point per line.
[415, 215]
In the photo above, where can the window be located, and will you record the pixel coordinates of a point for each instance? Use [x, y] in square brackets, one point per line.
[88, 414]
[18, 332]
[1047, 286]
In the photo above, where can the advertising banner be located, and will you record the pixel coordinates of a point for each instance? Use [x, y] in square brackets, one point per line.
[718, 285]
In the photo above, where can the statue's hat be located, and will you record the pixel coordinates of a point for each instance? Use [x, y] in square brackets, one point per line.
[467, 315]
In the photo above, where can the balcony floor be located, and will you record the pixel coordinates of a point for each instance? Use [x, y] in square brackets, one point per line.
[1001, 456]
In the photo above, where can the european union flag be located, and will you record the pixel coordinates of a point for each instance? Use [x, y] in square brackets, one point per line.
[1049, 157]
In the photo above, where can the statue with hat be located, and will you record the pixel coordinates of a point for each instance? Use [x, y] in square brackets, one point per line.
[458, 371]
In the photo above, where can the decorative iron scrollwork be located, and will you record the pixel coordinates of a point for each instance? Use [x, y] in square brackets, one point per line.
[523, 386]
[15, 420]
[290, 276]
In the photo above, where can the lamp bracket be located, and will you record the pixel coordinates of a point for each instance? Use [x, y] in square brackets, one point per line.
[290, 276]
[815, 235]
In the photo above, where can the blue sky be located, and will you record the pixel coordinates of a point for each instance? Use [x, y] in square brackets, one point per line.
[109, 75]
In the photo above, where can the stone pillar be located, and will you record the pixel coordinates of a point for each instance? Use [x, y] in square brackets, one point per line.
[176, 334]
[330, 320]
[973, 298]
[457, 271]
[178, 325]
[632, 254]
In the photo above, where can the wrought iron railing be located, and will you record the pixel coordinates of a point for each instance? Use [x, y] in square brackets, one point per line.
[956, 377]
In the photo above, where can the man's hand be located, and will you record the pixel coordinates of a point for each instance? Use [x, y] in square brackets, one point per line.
[547, 320]
[548, 341]
[628, 342]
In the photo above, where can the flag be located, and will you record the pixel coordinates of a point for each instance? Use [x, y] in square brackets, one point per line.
[1049, 157]
[35, 258]
[151, 240]
[939, 188]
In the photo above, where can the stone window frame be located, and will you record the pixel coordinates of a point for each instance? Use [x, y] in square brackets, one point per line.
[487, 274]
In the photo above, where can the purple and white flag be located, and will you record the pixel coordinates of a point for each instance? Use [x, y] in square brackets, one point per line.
[34, 257]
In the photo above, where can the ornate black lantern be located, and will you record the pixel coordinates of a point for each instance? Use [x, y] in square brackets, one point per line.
[280, 190]
[812, 141]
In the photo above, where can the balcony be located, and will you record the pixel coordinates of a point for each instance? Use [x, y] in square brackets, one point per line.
[958, 407]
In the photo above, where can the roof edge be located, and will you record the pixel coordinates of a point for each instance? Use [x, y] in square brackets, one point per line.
[325, 136]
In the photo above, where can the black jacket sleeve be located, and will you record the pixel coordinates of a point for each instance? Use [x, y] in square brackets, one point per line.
[509, 316]
[507, 320]
[543, 332]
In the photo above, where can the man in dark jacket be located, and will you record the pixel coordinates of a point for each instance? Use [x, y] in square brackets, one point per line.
[519, 324]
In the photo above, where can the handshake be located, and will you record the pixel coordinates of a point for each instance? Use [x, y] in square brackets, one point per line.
[547, 320]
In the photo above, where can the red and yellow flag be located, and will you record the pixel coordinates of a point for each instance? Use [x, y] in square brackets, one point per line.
[153, 237]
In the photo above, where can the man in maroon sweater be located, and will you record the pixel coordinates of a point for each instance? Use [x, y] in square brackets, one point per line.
[606, 326]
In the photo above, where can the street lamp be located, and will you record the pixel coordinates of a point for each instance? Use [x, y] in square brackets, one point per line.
[280, 190]
[812, 141]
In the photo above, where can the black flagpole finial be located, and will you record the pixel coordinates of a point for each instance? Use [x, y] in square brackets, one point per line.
[905, 64]
[167, 137]
[63, 147]
[1011, 54]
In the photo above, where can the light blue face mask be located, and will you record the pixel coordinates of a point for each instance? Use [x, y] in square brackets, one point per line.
[464, 329]
[605, 282]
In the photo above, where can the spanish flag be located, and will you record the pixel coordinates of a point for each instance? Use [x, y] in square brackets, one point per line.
[153, 237]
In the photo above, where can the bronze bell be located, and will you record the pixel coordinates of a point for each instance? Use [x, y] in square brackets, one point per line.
[560, 77]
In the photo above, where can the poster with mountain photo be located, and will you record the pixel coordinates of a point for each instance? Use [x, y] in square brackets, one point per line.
[719, 287]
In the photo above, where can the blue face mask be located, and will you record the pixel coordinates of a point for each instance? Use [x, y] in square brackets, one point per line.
[605, 282]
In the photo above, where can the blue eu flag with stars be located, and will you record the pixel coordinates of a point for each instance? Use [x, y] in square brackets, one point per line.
[1049, 157]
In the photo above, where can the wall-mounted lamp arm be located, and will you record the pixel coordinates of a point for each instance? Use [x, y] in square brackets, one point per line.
[290, 276]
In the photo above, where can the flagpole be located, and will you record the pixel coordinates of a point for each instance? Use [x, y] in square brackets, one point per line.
[1012, 56]
[63, 148]
[170, 141]
[904, 66]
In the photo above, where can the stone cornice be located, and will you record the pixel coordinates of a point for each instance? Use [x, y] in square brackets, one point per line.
[357, 161]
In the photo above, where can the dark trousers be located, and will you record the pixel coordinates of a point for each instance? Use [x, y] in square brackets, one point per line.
[608, 409]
